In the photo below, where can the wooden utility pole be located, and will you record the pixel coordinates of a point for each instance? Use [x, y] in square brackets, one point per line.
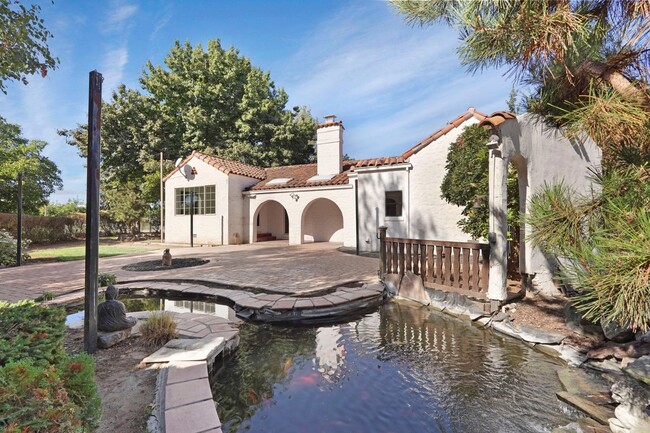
[92, 211]
[19, 228]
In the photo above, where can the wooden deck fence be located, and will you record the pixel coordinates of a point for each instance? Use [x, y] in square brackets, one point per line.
[461, 267]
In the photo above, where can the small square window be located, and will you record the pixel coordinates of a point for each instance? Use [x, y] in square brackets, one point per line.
[393, 203]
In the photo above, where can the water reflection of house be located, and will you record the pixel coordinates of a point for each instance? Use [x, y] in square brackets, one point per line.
[200, 307]
[330, 352]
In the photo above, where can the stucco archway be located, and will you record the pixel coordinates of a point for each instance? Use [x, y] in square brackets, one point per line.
[322, 221]
[270, 222]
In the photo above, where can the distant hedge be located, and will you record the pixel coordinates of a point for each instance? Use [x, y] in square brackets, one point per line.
[45, 229]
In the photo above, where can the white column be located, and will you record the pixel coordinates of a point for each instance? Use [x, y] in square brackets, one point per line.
[498, 202]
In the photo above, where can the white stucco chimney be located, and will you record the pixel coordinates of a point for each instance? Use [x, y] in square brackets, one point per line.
[329, 146]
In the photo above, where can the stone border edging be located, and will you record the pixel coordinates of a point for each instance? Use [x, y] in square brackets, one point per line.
[183, 400]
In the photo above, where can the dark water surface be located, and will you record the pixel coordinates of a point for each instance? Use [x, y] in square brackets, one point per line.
[401, 369]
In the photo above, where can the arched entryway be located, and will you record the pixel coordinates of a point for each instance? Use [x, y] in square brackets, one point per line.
[322, 221]
[270, 222]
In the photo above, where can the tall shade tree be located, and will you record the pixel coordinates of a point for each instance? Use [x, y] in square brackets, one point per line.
[18, 155]
[23, 43]
[211, 100]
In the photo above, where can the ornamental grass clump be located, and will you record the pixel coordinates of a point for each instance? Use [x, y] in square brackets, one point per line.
[158, 329]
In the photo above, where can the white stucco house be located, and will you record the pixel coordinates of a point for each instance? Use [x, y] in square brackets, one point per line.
[331, 200]
[346, 202]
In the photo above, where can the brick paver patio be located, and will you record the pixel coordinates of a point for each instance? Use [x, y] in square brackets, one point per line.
[270, 265]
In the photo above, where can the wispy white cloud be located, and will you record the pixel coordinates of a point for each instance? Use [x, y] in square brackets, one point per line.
[113, 68]
[117, 18]
[393, 83]
[162, 21]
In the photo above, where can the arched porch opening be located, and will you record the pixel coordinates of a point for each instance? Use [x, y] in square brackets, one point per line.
[270, 222]
[322, 221]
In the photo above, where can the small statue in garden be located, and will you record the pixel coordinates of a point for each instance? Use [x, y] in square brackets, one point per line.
[111, 314]
[167, 258]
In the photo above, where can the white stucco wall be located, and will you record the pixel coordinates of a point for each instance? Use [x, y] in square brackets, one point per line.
[238, 208]
[543, 155]
[341, 195]
[425, 215]
[431, 217]
[373, 185]
[229, 207]
[322, 222]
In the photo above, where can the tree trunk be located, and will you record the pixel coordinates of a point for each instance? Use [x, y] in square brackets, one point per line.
[617, 80]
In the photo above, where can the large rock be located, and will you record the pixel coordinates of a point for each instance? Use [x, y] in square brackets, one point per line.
[616, 333]
[108, 339]
[640, 369]
[391, 281]
[412, 288]
[575, 322]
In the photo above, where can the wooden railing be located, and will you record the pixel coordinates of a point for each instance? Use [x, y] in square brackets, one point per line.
[461, 267]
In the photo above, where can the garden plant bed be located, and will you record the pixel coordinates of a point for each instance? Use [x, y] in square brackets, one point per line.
[125, 386]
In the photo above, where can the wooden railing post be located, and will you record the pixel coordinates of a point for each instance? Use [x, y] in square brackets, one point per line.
[382, 251]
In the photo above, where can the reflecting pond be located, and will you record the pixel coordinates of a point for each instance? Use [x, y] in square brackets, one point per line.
[400, 369]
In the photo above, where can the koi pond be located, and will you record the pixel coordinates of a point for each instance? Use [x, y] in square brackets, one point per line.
[400, 369]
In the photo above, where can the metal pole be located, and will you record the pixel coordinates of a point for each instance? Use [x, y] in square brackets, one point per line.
[92, 210]
[192, 219]
[162, 202]
[19, 228]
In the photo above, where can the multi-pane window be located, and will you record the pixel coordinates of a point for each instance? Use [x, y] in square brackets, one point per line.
[203, 198]
[393, 203]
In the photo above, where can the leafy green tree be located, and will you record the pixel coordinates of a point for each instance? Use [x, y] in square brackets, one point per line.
[211, 100]
[72, 207]
[41, 177]
[23, 43]
[466, 183]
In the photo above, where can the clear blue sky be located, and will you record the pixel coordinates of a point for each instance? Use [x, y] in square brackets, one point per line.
[391, 84]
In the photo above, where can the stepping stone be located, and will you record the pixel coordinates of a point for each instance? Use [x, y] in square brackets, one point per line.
[304, 303]
[599, 413]
[184, 371]
[184, 393]
[202, 349]
[284, 304]
[193, 418]
[108, 339]
[579, 382]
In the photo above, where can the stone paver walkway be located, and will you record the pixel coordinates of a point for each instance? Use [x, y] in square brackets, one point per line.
[274, 266]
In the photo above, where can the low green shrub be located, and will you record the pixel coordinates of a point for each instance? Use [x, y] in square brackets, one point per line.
[31, 331]
[35, 398]
[158, 329]
[45, 296]
[106, 279]
[8, 249]
[41, 389]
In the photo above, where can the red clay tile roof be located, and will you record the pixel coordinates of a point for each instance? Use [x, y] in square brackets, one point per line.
[376, 162]
[497, 118]
[326, 124]
[471, 112]
[299, 175]
[224, 165]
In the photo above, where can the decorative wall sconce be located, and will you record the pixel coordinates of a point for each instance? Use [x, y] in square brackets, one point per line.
[294, 196]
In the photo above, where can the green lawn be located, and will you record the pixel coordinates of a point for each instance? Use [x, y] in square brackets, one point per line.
[66, 254]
